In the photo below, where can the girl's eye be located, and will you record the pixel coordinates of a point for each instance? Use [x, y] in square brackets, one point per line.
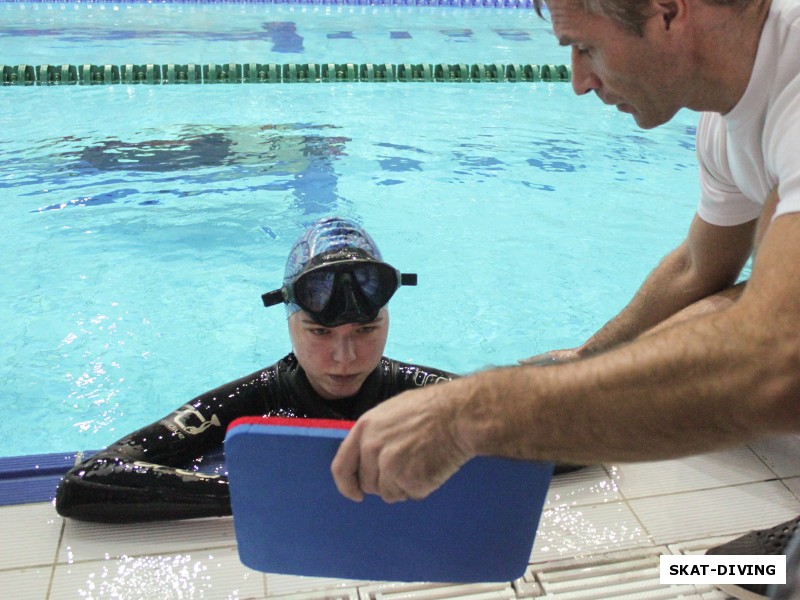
[319, 331]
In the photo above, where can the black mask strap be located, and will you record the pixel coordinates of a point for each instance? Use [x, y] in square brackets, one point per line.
[272, 298]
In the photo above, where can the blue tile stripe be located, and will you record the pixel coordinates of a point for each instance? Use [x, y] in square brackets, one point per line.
[33, 478]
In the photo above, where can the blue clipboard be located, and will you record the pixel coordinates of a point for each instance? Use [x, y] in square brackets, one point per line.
[289, 517]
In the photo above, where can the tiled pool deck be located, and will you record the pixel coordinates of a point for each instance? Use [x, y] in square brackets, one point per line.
[601, 535]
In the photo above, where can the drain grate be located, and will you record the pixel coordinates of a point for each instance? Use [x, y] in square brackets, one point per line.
[630, 574]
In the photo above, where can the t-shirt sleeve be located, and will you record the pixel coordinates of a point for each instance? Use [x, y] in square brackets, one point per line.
[782, 131]
[721, 201]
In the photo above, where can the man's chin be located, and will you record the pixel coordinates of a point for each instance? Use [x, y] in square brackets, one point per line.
[645, 121]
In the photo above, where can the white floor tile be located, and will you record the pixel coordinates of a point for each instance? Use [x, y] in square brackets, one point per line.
[781, 454]
[721, 511]
[210, 575]
[793, 483]
[632, 574]
[36, 529]
[292, 585]
[609, 516]
[93, 541]
[418, 591]
[592, 485]
[321, 594]
[718, 469]
[479, 591]
[587, 530]
[25, 584]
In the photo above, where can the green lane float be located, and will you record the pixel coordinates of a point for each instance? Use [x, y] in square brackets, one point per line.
[172, 74]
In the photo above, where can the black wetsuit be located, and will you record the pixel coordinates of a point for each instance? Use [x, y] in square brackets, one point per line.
[145, 476]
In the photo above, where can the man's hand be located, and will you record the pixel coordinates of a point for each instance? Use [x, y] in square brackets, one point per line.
[405, 448]
[552, 357]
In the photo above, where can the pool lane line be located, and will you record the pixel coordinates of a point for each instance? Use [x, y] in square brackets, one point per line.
[235, 73]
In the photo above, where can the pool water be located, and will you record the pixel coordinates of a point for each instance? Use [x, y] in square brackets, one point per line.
[142, 223]
[141, 32]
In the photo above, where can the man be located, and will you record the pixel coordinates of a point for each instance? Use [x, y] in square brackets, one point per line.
[336, 289]
[692, 364]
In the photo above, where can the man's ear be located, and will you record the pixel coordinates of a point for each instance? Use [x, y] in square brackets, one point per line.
[668, 11]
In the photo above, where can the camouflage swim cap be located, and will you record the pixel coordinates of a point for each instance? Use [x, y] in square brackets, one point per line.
[325, 236]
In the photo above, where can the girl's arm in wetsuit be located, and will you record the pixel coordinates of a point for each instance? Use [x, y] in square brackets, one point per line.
[140, 477]
[408, 376]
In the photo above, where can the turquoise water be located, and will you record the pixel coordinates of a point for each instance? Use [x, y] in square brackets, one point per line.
[120, 33]
[142, 223]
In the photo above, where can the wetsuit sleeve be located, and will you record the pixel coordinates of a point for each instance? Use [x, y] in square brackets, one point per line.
[142, 477]
[408, 376]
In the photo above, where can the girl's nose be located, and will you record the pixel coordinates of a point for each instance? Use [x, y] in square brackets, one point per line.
[344, 349]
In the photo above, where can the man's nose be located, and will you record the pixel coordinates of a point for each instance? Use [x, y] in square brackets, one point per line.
[583, 78]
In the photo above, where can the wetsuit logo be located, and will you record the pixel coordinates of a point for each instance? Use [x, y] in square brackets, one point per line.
[421, 378]
[185, 416]
[186, 476]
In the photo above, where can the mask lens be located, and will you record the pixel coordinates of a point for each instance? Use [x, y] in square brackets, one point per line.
[367, 279]
[377, 282]
[314, 290]
[346, 294]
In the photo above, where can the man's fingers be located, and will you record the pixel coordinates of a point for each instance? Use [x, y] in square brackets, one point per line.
[357, 473]
[397, 451]
[345, 469]
[393, 494]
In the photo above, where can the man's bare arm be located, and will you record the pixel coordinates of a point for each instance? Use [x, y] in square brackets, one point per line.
[706, 263]
[714, 381]
[711, 382]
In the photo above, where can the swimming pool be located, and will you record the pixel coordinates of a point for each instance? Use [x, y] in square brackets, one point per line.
[145, 221]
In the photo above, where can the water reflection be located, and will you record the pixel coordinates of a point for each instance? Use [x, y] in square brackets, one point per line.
[193, 161]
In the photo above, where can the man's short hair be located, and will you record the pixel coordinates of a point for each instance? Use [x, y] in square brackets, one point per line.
[631, 14]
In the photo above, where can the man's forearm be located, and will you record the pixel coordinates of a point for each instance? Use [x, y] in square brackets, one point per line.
[708, 262]
[666, 291]
[659, 397]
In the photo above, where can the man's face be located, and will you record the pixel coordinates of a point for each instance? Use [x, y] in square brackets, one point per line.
[637, 74]
[337, 360]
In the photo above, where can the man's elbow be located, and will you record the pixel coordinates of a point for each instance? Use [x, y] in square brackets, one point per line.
[784, 387]
[777, 391]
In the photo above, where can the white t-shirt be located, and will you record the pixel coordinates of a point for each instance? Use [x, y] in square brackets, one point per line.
[756, 146]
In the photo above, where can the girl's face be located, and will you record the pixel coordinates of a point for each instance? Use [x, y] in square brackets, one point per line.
[337, 360]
